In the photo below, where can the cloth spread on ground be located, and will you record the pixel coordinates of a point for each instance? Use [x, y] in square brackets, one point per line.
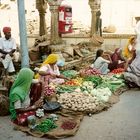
[58, 132]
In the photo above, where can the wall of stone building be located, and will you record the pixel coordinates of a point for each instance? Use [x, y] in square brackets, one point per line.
[120, 13]
[109, 43]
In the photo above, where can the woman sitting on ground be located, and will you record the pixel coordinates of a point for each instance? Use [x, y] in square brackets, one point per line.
[132, 74]
[19, 94]
[128, 52]
[100, 63]
[49, 71]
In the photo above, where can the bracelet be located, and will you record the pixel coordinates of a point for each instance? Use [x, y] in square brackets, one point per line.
[33, 107]
[41, 97]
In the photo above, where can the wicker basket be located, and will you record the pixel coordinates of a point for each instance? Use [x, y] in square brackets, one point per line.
[97, 40]
[4, 105]
[51, 98]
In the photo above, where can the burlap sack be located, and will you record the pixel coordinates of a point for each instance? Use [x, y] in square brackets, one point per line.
[4, 105]
[69, 50]
[97, 40]
[59, 132]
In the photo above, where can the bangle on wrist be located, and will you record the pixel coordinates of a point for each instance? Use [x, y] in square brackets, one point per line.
[33, 107]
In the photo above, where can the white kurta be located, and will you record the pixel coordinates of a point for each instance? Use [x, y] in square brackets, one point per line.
[7, 46]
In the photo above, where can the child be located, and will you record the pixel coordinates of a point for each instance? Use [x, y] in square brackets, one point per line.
[100, 63]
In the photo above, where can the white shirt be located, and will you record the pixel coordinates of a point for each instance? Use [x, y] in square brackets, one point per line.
[48, 69]
[99, 62]
[7, 45]
[26, 103]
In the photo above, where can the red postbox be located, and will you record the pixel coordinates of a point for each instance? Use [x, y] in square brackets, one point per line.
[65, 19]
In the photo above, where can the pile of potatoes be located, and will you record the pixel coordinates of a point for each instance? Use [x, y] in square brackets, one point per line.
[79, 102]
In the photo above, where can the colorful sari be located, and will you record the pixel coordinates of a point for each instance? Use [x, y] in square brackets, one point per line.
[126, 53]
[20, 89]
[132, 75]
[52, 58]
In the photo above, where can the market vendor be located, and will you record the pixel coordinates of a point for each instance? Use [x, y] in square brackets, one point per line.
[7, 49]
[19, 94]
[132, 74]
[49, 71]
[125, 53]
[100, 63]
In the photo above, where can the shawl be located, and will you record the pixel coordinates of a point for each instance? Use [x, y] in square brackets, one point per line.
[20, 89]
[51, 59]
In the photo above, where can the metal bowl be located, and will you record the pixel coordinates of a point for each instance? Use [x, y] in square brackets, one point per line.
[51, 106]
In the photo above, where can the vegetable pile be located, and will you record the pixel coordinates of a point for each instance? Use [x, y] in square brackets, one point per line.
[49, 90]
[116, 71]
[45, 126]
[89, 71]
[102, 94]
[78, 102]
[96, 80]
[68, 125]
[65, 88]
[70, 73]
[74, 82]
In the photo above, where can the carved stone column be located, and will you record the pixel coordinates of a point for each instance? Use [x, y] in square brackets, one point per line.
[95, 6]
[54, 5]
[41, 6]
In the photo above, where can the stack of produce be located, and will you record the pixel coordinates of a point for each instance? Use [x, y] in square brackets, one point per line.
[45, 126]
[49, 90]
[96, 80]
[86, 87]
[70, 73]
[102, 94]
[112, 83]
[89, 71]
[74, 82]
[65, 88]
[79, 102]
[116, 71]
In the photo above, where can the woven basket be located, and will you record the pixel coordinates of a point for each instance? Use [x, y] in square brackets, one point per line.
[97, 40]
[69, 50]
[4, 105]
[51, 97]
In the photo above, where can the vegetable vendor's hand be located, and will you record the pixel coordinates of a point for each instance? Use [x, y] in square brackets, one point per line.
[53, 76]
[39, 103]
[67, 78]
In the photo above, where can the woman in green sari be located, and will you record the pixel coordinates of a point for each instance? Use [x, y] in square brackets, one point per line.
[19, 94]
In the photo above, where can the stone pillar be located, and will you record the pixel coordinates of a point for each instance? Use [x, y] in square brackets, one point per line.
[54, 5]
[41, 6]
[95, 6]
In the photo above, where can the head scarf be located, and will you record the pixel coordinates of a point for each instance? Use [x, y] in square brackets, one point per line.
[20, 88]
[51, 59]
[6, 29]
[125, 52]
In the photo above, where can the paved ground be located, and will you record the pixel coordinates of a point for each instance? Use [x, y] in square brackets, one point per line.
[120, 122]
